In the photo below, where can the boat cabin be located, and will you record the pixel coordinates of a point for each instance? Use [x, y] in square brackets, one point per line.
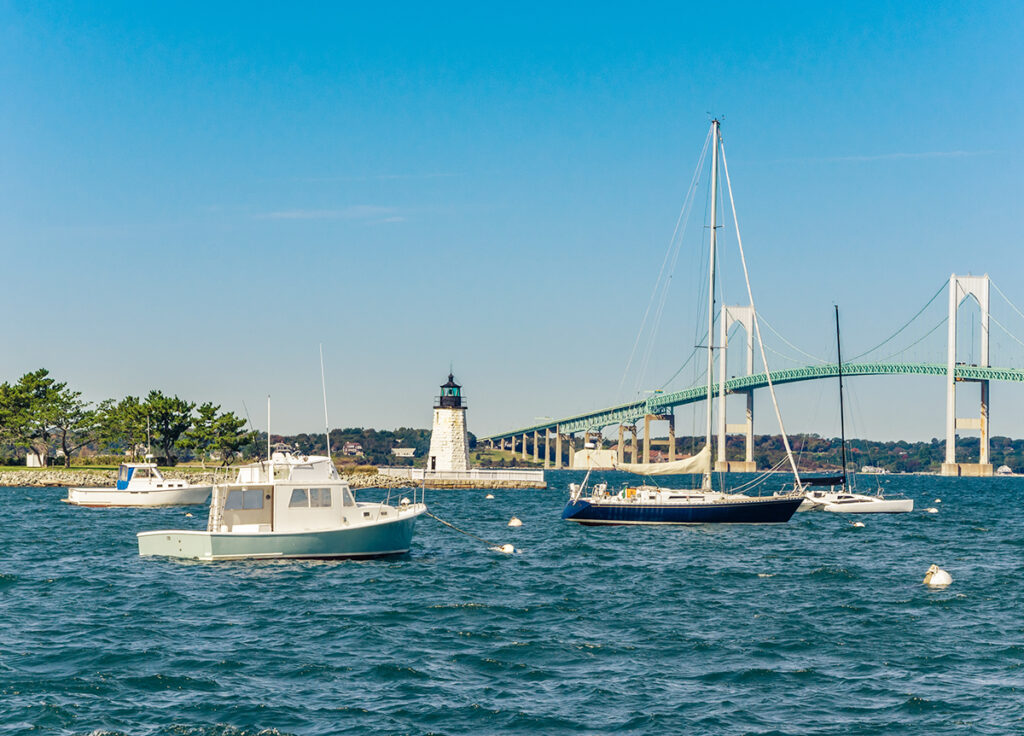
[288, 494]
[143, 475]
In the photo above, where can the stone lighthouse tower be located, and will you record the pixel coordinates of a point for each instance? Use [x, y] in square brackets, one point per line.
[449, 445]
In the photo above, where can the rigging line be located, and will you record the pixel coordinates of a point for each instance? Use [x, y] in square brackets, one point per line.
[690, 357]
[1000, 292]
[943, 321]
[905, 326]
[779, 335]
[757, 322]
[677, 237]
[665, 260]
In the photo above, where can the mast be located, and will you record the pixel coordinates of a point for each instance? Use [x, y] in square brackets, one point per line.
[706, 479]
[842, 418]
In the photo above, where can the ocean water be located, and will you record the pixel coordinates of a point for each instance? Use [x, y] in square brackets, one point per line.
[812, 627]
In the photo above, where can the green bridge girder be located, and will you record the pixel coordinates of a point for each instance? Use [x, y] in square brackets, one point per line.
[659, 403]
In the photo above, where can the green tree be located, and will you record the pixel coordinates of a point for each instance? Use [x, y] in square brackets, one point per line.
[200, 437]
[170, 417]
[121, 425]
[230, 436]
[26, 410]
[75, 424]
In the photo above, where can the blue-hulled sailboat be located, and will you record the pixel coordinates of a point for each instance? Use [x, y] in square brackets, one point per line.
[646, 504]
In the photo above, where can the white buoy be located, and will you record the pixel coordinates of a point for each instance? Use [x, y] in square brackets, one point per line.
[938, 500]
[188, 513]
[508, 549]
[515, 521]
[857, 524]
[489, 496]
[936, 577]
[932, 510]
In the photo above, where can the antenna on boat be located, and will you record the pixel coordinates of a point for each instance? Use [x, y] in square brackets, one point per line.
[323, 385]
[269, 455]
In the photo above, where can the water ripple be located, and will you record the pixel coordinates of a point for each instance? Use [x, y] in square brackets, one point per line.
[811, 627]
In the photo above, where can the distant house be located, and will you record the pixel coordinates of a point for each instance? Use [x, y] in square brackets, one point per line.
[403, 451]
[352, 448]
[36, 459]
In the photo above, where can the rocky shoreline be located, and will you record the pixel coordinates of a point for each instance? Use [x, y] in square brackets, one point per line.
[87, 478]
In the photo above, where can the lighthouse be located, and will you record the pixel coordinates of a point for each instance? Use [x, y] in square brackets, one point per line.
[449, 444]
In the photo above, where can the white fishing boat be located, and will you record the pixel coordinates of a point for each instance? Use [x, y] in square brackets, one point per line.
[647, 504]
[140, 485]
[290, 507]
[840, 498]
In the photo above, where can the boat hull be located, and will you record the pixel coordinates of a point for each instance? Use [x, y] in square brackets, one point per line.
[768, 510]
[110, 497]
[873, 506]
[371, 540]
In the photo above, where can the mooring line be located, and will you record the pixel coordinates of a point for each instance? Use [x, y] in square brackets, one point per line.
[491, 545]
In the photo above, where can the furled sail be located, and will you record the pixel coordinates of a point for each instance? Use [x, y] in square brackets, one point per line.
[699, 463]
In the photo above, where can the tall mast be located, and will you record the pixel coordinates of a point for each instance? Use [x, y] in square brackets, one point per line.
[711, 284]
[842, 419]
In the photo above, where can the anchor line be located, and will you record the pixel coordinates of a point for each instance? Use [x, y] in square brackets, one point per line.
[462, 531]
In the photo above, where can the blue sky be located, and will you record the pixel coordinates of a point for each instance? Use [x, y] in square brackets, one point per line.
[194, 197]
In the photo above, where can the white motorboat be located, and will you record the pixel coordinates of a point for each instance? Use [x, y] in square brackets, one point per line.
[140, 485]
[290, 507]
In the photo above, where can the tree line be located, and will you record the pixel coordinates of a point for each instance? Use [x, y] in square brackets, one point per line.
[40, 414]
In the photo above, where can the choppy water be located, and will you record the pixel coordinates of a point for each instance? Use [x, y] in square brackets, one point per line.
[810, 627]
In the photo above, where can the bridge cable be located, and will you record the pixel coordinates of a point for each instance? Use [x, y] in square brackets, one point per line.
[1000, 291]
[1001, 325]
[907, 324]
[943, 321]
[779, 335]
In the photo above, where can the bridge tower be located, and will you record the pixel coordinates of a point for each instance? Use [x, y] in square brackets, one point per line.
[745, 316]
[961, 287]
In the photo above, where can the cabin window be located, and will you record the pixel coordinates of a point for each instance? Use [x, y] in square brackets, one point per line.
[346, 497]
[122, 474]
[299, 499]
[248, 499]
[320, 497]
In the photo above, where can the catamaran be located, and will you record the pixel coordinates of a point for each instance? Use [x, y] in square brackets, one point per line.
[839, 498]
[140, 485]
[653, 505]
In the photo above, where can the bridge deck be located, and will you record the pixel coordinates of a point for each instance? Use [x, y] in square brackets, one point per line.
[658, 403]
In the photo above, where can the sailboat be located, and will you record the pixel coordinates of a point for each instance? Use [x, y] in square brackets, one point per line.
[839, 498]
[654, 505]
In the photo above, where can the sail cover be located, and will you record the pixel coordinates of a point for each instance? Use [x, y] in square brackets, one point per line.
[699, 463]
[826, 480]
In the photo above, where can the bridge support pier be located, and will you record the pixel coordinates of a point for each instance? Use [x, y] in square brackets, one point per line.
[635, 453]
[961, 287]
[547, 449]
[619, 449]
[558, 448]
[572, 449]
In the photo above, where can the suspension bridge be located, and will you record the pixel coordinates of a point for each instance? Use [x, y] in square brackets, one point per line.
[556, 439]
